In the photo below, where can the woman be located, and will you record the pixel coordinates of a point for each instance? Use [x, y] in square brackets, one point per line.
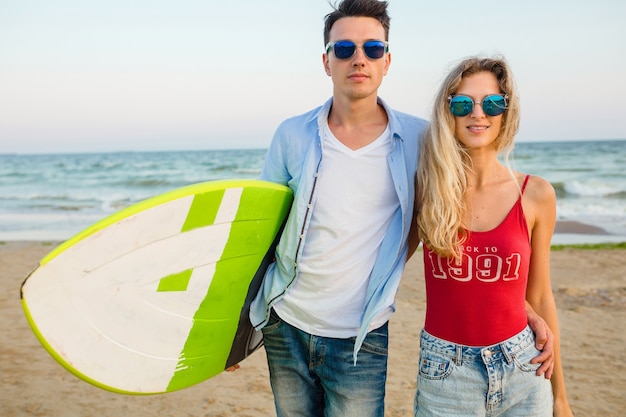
[486, 232]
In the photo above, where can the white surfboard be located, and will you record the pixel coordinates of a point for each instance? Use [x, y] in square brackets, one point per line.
[155, 298]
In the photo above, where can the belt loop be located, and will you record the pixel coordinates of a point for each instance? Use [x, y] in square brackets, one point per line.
[459, 355]
[506, 350]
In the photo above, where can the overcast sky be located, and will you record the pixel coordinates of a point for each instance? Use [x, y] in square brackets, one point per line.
[92, 76]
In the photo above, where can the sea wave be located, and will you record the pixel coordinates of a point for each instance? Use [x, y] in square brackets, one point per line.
[589, 189]
[147, 183]
[617, 195]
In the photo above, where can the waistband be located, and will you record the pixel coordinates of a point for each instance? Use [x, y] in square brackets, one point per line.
[459, 353]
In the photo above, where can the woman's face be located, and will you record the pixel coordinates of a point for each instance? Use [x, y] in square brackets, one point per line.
[478, 130]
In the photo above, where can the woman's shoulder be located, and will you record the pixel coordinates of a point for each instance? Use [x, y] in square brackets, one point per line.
[534, 184]
[537, 190]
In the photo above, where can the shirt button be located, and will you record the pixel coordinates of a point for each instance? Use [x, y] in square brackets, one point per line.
[487, 353]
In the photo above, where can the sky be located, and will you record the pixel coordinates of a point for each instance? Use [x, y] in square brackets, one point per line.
[152, 75]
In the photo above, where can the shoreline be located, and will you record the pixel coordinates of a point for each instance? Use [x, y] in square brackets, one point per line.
[574, 227]
[565, 232]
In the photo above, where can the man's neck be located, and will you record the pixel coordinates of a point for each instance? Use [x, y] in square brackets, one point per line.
[357, 123]
[351, 113]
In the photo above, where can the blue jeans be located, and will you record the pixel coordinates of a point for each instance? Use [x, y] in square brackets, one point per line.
[498, 380]
[315, 376]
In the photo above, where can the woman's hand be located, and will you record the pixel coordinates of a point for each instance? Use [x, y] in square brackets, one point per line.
[544, 341]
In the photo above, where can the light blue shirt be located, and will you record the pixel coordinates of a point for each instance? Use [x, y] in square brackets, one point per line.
[295, 159]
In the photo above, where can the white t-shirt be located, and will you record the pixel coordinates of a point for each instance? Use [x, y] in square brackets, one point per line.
[355, 203]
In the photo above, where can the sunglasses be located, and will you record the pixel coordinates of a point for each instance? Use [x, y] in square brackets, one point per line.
[493, 104]
[345, 49]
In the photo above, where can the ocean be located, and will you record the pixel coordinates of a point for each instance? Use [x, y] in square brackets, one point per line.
[54, 196]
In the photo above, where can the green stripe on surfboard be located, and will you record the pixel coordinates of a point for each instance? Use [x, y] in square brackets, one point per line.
[203, 210]
[175, 282]
[212, 325]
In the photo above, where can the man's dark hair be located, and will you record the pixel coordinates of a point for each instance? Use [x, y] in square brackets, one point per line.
[357, 8]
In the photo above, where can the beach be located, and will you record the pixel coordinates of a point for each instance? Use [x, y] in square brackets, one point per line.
[589, 287]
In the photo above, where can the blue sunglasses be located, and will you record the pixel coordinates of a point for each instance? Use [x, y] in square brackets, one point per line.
[493, 104]
[345, 49]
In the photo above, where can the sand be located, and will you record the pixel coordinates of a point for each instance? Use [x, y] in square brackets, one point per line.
[589, 286]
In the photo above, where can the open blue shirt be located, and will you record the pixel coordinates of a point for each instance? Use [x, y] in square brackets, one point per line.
[295, 159]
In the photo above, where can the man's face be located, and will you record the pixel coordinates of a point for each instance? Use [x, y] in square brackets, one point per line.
[358, 76]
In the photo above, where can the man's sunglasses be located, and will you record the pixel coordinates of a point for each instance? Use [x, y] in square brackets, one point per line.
[345, 49]
[493, 104]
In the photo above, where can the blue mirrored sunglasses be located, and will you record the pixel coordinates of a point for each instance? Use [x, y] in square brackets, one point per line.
[493, 104]
[345, 49]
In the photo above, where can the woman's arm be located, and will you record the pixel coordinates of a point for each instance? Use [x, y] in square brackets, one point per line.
[540, 209]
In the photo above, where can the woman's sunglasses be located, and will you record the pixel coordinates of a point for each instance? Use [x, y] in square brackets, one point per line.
[345, 49]
[493, 104]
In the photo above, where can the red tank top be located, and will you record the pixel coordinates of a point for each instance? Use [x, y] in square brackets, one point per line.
[481, 300]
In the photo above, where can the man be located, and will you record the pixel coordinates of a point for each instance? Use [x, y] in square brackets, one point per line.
[325, 302]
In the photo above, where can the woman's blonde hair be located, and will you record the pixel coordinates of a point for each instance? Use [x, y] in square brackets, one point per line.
[444, 163]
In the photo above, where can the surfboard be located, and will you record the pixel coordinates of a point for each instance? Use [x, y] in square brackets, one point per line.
[155, 298]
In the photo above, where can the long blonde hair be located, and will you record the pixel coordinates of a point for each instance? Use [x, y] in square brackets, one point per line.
[444, 163]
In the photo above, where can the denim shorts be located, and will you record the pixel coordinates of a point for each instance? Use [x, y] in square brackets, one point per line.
[498, 380]
[316, 376]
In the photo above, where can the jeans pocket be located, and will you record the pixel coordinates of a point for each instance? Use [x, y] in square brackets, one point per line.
[434, 366]
[523, 357]
[377, 341]
[273, 322]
